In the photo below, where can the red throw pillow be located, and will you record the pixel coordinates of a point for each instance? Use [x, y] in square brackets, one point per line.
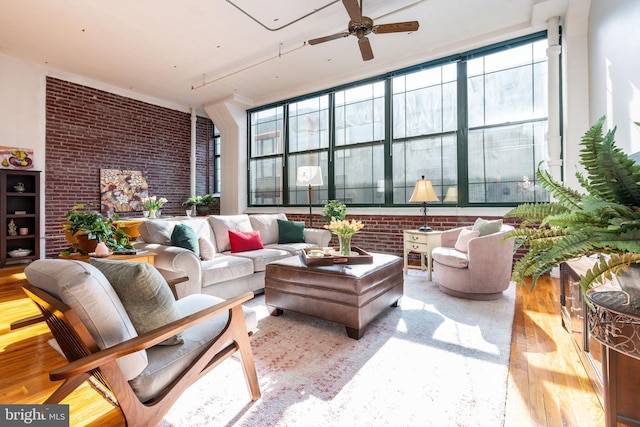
[245, 241]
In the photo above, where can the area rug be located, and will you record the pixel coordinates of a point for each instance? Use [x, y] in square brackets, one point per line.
[435, 360]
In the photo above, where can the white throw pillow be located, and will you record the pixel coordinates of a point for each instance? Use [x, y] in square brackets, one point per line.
[207, 251]
[462, 244]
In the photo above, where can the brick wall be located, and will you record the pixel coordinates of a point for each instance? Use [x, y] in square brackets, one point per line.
[384, 233]
[88, 130]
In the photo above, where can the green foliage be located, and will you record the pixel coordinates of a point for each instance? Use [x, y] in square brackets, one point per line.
[334, 209]
[82, 219]
[605, 220]
[206, 200]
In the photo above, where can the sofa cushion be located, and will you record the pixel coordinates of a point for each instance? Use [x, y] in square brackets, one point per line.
[87, 291]
[166, 363]
[144, 293]
[242, 241]
[183, 236]
[225, 267]
[462, 244]
[262, 257]
[267, 226]
[450, 257]
[221, 224]
[486, 227]
[290, 232]
[207, 251]
[157, 231]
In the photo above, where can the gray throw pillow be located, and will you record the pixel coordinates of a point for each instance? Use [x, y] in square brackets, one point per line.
[144, 293]
[486, 227]
[183, 236]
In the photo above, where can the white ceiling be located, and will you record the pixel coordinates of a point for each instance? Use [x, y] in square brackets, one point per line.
[194, 52]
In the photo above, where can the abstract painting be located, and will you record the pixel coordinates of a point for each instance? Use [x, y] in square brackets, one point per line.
[122, 190]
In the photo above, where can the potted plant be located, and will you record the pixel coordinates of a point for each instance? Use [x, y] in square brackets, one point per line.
[202, 203]
[604, 221]
[334, 209]
[86, 227]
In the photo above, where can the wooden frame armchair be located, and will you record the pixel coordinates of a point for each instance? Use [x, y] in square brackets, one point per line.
[86, 358]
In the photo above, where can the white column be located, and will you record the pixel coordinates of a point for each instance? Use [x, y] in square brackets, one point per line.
[192, 159]
[554, 141]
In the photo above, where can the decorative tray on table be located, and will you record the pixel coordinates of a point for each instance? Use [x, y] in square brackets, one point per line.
[330, 256]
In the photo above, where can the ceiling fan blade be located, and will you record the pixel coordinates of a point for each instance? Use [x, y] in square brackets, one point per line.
[397, 27]
[353, 9]
[328, 38]
[365, 49]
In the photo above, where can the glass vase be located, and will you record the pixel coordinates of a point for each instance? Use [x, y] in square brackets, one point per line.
[345, 245]
[152, 213]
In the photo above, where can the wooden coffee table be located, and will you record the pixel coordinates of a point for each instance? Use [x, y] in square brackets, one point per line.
[351, 295]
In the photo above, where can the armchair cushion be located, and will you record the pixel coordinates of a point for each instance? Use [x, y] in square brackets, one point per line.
[450, 257]
[462, 244]
[144, 293]
[290, 232]
[183, 236]
[166, 363]
[486, 227]
[85, 289]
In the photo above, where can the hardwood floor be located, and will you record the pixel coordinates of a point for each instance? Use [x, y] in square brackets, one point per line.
[547, 384]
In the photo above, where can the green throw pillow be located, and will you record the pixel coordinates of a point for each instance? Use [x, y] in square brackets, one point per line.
[487, 227]
[144, 293]
[183, 236]
[290, 231]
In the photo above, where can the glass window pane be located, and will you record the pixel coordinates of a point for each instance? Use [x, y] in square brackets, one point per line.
[359, 173]
[509, 95]
[508, 58]
[434, 158]
[266, 181]
[360, 114]
[502, 164]
[266, 132]
[299, 195]
[309, 124]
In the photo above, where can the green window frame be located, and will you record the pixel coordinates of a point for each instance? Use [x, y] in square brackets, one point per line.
[474, 124]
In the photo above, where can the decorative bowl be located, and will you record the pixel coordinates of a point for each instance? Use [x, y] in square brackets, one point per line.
[16, 253]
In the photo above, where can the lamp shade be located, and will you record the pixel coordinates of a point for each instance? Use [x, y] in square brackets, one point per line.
[423, 192]
[309, 175]
[452, 194]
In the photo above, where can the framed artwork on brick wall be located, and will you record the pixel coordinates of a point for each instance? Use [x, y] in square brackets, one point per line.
[122, 190]
[16, 158]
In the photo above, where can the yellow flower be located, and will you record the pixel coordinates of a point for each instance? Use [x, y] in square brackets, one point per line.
[344, 227]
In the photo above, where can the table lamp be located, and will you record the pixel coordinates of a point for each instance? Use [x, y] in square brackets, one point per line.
[423, 192]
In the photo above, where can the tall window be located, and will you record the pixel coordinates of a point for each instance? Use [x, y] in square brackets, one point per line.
[507, 124]
[216, 160]
[473, 124]
[265, 150]
[425, 124]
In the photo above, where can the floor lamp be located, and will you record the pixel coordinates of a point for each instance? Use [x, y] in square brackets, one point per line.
[309, 176]
[423, 192]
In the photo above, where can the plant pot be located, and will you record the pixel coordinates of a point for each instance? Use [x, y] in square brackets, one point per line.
[85, 244]
[629, 281]
[202, 210]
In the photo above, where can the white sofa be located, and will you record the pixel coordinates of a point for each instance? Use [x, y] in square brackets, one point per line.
[225, 274]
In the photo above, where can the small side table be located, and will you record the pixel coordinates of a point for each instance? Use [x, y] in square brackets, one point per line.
[421, 242]
[617, 326]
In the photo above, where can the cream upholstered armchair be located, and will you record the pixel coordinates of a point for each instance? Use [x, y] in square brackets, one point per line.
[472, 266]
[146, 366]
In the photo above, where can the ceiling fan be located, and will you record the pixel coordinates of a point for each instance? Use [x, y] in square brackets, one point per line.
[360, 26]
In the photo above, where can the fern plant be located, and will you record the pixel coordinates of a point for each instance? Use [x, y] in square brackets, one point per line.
[605, 219]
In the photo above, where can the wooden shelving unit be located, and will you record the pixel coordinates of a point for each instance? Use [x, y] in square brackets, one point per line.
[23, 208]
